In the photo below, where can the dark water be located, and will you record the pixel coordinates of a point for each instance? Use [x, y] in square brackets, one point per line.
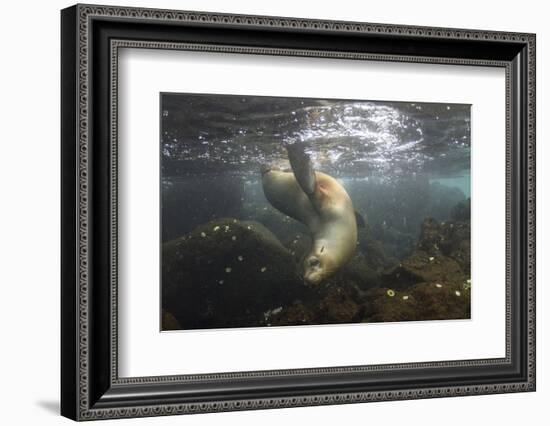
[401, 163]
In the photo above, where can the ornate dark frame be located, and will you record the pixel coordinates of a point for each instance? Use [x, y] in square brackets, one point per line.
[91, 37]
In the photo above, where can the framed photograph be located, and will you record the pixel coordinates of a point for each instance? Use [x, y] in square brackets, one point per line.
[263, 212]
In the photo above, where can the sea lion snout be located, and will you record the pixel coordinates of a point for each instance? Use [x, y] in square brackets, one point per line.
[313, 270]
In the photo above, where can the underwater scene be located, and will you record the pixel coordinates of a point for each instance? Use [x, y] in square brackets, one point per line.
[281, 211]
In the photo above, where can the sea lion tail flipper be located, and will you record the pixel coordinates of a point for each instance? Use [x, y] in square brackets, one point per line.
[301, 167]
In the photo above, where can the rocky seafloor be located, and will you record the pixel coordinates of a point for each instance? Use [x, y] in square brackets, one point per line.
[235, 272]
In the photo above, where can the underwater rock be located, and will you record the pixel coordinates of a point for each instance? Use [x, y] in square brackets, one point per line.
[339, 306]
[356, 273]
[456, 244]
[227, 273]
[233, 273]
[297, 314]
[169, 321]
[397, 244]
[423, 301]
[451, 239]
[430, 236]
[424, 267]
[373, 251]
[335, 305]
[462, 211]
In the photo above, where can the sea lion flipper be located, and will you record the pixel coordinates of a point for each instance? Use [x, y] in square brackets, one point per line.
[302, 167]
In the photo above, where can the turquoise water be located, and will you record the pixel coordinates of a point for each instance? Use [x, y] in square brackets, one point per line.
[461, 182]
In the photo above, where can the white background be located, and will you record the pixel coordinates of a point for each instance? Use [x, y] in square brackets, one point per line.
[29, 225]
[146, 352]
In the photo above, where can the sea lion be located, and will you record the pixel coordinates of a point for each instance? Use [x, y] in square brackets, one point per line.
[319, 202]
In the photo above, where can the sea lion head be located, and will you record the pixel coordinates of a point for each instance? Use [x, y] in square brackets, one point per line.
[317, 267]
